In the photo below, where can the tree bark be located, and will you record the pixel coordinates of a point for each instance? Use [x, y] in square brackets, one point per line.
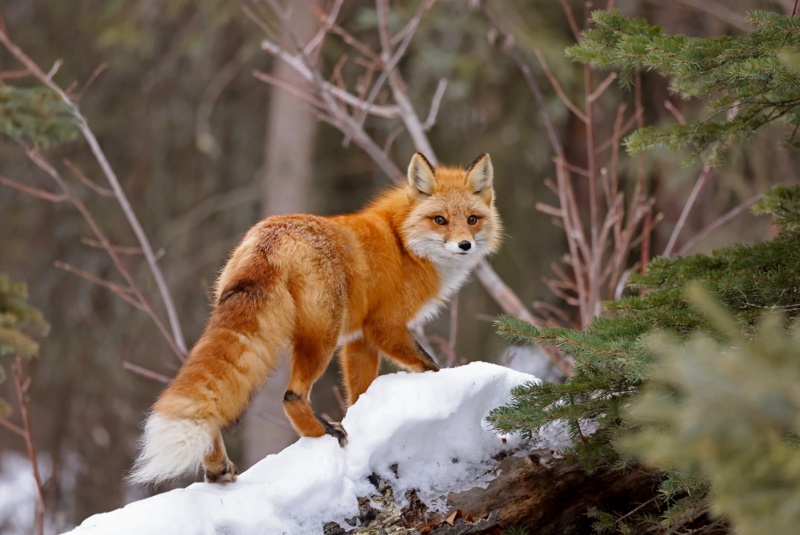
[542, 498]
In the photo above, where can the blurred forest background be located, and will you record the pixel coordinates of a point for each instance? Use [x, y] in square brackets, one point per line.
[204, 146]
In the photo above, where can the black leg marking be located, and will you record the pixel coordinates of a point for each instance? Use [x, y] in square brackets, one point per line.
[292, 397]
[334, 429]
[432, 363]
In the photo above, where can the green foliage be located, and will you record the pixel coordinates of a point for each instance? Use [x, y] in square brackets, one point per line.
[753, 78]
[36, 114]
[725, 410]
[17, 318]
[614, 355]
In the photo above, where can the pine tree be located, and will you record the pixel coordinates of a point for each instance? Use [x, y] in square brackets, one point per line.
[754, 80]
[614, 355]
[725, 410]
[36, 115]
[18, 322]
[748, 82]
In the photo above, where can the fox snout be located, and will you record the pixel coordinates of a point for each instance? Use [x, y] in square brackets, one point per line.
[462, 247]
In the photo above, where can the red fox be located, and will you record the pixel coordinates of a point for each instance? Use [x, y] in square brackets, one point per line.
[311, 284]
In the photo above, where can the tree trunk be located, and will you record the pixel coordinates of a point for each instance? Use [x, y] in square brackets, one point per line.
[286, 179]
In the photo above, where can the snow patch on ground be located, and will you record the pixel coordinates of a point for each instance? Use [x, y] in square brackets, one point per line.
[432, 426]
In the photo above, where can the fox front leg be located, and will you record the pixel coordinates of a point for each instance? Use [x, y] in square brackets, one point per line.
[398, 344]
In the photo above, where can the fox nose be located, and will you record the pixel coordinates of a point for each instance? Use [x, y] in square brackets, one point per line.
[464, 245]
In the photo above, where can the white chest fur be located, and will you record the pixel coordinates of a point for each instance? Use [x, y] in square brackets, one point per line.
[452, 276]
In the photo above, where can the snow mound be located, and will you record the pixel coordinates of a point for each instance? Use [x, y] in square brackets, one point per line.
[432, 426]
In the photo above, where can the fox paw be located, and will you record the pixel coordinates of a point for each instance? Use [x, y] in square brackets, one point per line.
[336, 430]
[226, 474]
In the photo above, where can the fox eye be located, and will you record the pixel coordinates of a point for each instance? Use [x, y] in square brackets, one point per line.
[471, 220]
[439, 220]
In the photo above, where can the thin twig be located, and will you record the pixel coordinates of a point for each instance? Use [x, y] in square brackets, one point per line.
[388, 112]
[689, 245]
[12, 427]
[28, 434]
[601, 88]
[35, 192]
[337, 394]
[287, 86]
[100, 190]
[715, 9]
[120, 291]
[557, 86]
[433, 111]
[329, 22]
[121, 249]
[576, 32]
[95, 74]
[391, 59]
[508, 45]
[698, 187]
[144, 372]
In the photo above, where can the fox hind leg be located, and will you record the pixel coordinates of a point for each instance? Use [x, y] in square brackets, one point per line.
[217, 467]
[310, 358]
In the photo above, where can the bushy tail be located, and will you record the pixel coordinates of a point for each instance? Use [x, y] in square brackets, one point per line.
[171, 448]
[213, 387]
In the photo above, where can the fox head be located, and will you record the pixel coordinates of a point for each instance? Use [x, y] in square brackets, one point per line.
[453, 219]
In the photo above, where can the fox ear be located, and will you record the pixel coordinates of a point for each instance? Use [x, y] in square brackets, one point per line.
[480, 177]
[421, 175]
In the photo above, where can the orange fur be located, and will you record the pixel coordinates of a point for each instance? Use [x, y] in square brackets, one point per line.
[310, 283]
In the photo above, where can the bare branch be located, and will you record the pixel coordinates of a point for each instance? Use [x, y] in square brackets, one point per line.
[433, 111]
[35, 192]
[121, 249]
[557, 86]
[54, 69]
[675, 112]
[550, 210]
[88, 183]
[698, 187]
[576, 32]
[17, 430]
[689, 245]
[517, 57]
[28, 435]
[328, 23]
[392, 59]
[92, 77]
[120, 291]
[144, 372]
[286, 86]
[10, 75]
[296, 62]
[601, 88]
[715, 9]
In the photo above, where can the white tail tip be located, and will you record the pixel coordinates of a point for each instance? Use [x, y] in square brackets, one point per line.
[170, 448]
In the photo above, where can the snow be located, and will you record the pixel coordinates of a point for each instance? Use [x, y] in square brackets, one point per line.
[18, 492]
[432, 426]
